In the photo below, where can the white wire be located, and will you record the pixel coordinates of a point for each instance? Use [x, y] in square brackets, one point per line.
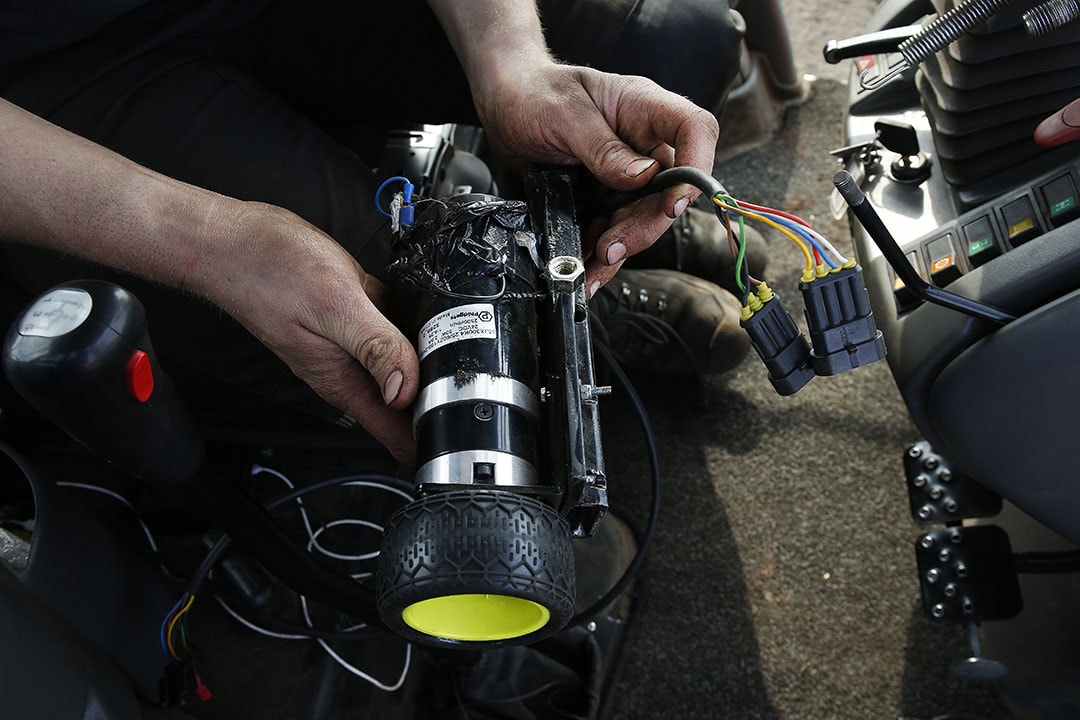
[313, 543]
[352, 668]
[345, 482]
[363, 675]
[121, 498]
[252, 626]
[840, 258]
[258, 469]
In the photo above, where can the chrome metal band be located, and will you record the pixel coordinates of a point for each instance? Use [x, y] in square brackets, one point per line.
[483, 387]
[458, 469]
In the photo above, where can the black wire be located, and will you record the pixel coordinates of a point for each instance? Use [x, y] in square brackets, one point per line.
[664, 179]
[645, 541]
[1047, 562]
[284, 627]
[219, 548]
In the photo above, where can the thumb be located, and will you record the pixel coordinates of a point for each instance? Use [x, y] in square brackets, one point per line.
[383, 351]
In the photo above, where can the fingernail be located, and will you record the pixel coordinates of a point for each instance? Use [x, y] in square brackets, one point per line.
[639, 166]
[392, 387]
[680, 206]
[594, 287]
[616, 251]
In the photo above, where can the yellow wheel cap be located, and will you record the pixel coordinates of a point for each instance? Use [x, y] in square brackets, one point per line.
[476, 617]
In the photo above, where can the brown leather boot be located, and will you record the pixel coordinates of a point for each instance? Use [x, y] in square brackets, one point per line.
[667, 321]
[697, 243]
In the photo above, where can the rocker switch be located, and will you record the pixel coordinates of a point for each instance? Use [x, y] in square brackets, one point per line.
[943, 261]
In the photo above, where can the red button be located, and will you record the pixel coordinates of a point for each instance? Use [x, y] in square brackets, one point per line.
[139, 376]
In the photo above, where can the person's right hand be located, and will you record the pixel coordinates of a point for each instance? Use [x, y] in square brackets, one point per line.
[311, 303]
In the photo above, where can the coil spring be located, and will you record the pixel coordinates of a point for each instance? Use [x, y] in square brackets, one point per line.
[1050, 16]
[937, 35]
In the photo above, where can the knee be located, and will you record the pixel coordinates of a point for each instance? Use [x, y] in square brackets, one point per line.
[690, 47]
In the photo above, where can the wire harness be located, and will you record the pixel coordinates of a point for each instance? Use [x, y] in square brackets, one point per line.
[843, 334]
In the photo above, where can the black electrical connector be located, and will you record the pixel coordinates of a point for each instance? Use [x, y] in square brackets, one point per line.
[182, 684]
[777, 341]
[841, 321]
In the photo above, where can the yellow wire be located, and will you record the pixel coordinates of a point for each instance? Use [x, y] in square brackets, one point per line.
[172, 625]
[754, 216]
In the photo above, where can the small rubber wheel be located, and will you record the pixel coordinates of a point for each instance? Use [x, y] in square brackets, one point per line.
[477, 569]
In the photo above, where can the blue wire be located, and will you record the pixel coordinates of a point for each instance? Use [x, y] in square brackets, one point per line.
[396, 178]
[164, 647]
[795, 227]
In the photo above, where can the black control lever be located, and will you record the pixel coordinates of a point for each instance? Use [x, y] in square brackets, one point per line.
[882, 41]
[81, 355]
[875, 228]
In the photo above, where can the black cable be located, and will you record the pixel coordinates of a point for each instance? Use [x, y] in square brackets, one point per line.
[664, 179]
[1047, 562]
[875, 228]
[654, 510]
[219, 548]
[644, 542]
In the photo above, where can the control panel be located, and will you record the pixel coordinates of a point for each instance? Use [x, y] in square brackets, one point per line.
[990, 230]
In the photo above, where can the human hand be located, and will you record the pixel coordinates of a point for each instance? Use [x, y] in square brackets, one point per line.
[624, 129]
[311, 303]
[287, 282]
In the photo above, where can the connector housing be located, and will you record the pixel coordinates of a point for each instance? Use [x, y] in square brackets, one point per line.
[780, 345]
[841, 322]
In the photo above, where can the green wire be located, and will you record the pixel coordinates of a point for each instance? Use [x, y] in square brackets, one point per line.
[740, 258]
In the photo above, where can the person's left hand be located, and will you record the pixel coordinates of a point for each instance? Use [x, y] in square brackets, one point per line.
[624, 129]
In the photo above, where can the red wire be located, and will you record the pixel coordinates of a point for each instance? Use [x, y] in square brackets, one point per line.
[781, 213]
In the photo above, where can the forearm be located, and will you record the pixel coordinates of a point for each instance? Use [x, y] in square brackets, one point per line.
[61, 192]
[492, 38]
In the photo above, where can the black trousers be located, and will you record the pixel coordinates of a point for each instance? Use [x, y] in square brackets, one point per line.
[247, 99]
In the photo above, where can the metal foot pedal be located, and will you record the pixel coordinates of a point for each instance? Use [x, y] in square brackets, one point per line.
[938, 494]
[966, 574]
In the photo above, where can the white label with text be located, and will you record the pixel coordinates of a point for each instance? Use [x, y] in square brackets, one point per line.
[467, 322]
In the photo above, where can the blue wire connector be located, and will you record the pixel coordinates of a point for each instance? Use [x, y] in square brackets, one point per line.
[403, 214]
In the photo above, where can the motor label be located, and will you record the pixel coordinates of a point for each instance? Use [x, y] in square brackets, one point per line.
[466, 322]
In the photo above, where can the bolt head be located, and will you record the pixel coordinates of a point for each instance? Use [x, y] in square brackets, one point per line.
[926, 542]
[931, 463]
[925, 512]
[914, 451]
[936, 493]
[949, 590]
[944, 556]
[920, 480]
[932, 575]
[938, 611]
[945, 476]
[951, 506]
